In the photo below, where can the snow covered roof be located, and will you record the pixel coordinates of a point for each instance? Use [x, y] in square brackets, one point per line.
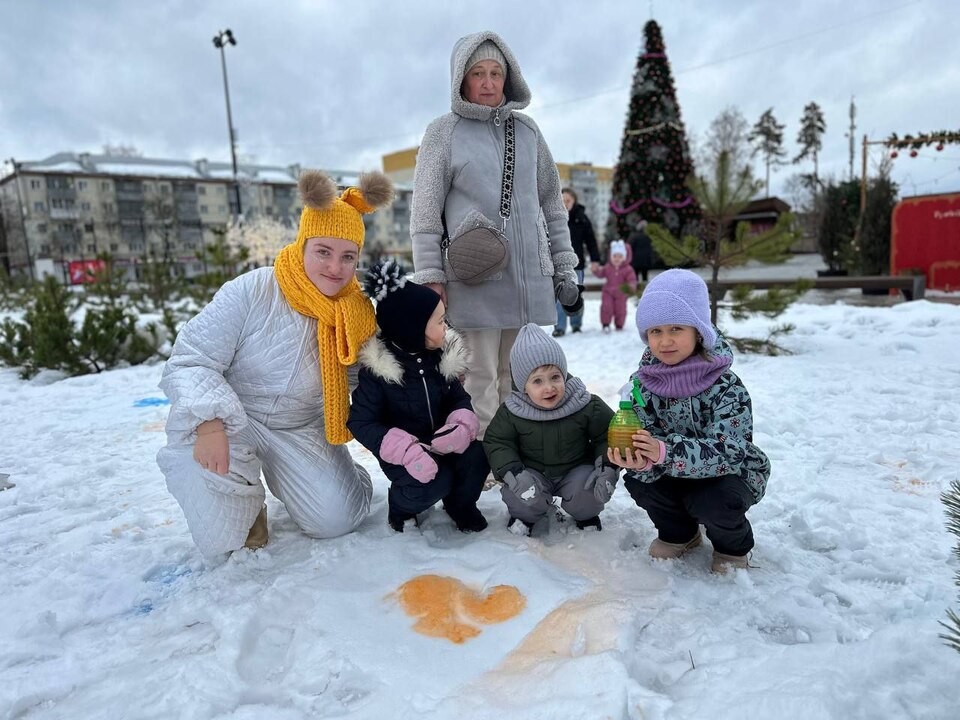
[148, 170]
[87, 164]
[64, 167]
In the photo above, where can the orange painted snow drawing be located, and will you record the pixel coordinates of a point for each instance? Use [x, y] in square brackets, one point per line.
[446, 608]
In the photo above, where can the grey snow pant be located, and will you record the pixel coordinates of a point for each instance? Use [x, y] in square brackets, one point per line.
[580, 504]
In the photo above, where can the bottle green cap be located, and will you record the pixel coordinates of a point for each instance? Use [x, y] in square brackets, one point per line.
[637, 396]
[626, 404]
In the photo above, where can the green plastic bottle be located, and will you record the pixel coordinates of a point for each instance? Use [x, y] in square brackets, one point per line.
[625, 422]
[623, 425]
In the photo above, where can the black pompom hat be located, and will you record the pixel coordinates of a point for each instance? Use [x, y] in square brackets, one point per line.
[403, 307]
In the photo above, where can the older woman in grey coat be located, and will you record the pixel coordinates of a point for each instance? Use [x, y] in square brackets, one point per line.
[459, 171]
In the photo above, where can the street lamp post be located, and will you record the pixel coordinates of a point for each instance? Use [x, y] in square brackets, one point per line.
[220, 40]
[23, 218]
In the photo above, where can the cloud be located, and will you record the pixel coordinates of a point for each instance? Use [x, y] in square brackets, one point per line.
[338, 84]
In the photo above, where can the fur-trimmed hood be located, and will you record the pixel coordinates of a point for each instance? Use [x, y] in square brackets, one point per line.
[516, 92]
[383, 361]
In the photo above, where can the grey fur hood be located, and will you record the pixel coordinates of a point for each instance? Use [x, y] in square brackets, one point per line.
[379, 359]
[515, 91]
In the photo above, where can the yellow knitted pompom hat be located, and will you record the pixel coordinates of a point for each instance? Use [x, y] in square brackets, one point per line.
[326, 215]
[346, 320]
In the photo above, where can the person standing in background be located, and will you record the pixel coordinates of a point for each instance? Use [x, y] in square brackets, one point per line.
[582, 239]
[642, 248]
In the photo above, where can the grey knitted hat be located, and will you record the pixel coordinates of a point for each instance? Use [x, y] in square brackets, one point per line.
[532, 349]
[676, 297]
[487, 50]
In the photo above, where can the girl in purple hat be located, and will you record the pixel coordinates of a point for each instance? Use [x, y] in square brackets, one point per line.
[695, 462]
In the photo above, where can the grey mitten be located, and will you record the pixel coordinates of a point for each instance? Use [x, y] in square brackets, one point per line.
[565, 287]
[523, 484]
[569, 293]
[603, 479]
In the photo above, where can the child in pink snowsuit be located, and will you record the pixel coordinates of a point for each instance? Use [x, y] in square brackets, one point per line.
[618, 272]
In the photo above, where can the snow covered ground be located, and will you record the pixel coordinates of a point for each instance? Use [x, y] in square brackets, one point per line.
[107, 611]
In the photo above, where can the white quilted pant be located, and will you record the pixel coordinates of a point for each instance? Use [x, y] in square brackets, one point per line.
[322, 489]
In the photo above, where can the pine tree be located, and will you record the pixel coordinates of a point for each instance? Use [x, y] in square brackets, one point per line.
[161, 280]
[45, 337]
[873, 255]
[810, 138]
[767, 135]
[951, 499]
[223, 263]
[649, 182]
[108, 286]
[49, 339]
[13, 290]
[722, 198]
[838, 223]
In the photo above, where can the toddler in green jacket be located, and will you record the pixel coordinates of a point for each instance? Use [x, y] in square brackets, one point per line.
[549, 438]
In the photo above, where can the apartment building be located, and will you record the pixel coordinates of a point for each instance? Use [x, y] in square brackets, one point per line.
[64, 210]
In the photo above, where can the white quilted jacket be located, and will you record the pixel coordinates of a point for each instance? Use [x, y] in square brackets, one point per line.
[248, 353]
[251, 360]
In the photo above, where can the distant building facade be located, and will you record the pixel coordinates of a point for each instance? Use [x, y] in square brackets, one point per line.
[72, 206]
[594, 187]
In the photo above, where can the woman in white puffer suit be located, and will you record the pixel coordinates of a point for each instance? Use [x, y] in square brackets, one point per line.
[258, 382]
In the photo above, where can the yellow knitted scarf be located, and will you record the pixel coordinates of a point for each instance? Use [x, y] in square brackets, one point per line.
[344, 322]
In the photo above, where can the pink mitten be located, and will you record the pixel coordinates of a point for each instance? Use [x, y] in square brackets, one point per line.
[456, 435]
[401, 448]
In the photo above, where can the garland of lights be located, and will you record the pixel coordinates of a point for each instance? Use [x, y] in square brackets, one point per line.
[654, 128]
[615, 206]
[942, 138]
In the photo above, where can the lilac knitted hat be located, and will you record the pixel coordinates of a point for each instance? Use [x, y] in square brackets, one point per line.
[676, 297]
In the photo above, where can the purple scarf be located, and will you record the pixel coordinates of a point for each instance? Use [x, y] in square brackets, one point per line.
[685, 379]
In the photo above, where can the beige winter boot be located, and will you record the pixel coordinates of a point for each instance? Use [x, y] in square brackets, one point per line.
[724, 563]
[661, 550]
[257, 537]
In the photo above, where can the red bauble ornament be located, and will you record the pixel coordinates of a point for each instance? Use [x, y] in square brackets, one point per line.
[939, 147]
[894, 154]
[913, 153]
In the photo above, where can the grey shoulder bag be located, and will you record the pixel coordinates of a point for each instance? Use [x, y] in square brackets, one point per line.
[479, 249]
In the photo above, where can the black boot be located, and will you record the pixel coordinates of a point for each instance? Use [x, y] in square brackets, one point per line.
[468, 519]
[513, 521]
[590, 522]
[396, 519]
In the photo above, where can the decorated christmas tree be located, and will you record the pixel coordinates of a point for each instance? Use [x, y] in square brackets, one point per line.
[650, 180]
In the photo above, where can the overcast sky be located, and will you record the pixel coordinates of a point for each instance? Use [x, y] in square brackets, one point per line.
[337, 84]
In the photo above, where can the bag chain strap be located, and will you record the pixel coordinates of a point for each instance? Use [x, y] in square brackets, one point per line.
[509, 160]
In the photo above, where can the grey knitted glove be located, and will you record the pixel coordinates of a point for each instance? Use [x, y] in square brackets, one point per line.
[577, 305]
[523, 484]
[568, 292]
[603, 479]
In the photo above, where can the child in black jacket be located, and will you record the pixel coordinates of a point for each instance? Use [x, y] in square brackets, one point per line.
[410, 409]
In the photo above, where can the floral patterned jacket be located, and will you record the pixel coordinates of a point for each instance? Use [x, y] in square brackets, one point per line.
[707, 435]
